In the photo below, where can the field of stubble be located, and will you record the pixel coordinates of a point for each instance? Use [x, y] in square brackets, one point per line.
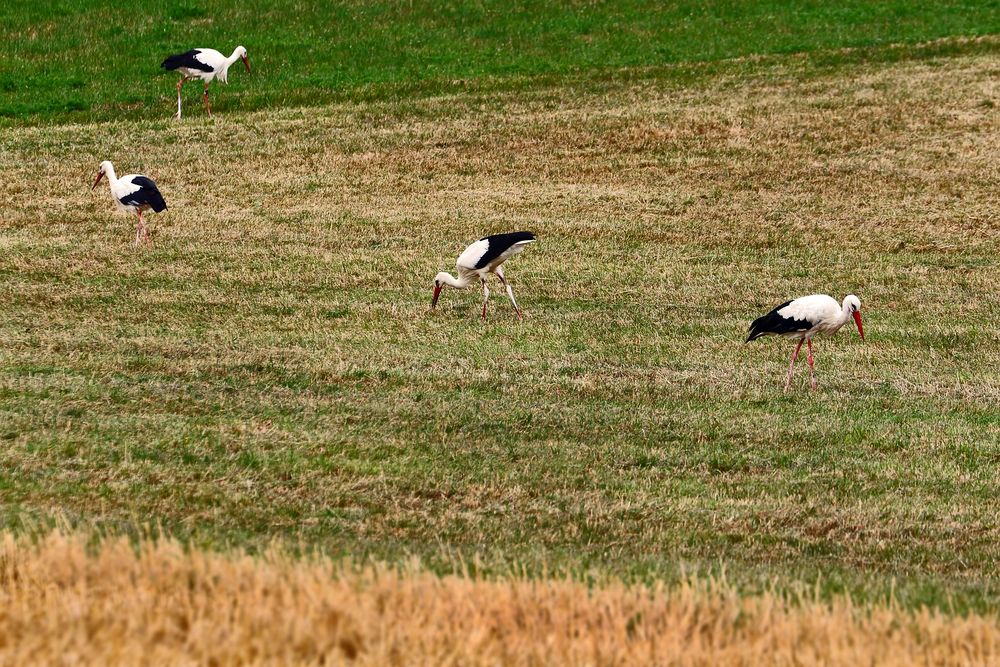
[269, 368]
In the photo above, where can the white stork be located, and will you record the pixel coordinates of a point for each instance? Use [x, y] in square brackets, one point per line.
[482, 258]
[133, 192]
[805, 317]
[204, 64]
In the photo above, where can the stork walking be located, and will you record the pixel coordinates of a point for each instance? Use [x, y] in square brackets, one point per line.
[204, 64]
[482, 258]
[133, 192]
[805, 317]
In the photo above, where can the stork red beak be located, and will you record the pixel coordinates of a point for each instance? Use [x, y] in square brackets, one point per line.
[99, 175]
[246, 63]
[437, 293]
[857, 320]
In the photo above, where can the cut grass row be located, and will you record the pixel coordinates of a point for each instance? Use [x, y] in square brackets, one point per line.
[93, 60]
[158, 603]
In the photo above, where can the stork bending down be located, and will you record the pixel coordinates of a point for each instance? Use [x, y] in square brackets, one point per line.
[802, 319]
[482, 258]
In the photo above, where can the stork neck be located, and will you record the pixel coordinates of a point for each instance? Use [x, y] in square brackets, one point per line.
[233, 58]
[460, 283]
[110, 173]
[845, 312]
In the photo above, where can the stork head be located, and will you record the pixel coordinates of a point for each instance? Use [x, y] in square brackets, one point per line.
[439, 282]
[852, 304]
[243, 56]
[105, 168]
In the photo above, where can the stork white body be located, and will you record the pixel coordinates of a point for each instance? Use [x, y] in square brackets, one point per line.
[482, 258]
[805, 317]
[133, 193]
[204, 64]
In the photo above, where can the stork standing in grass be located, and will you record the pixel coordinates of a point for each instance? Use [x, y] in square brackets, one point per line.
[133, 192]
[204, 64]
[482, 258]
[805, 317]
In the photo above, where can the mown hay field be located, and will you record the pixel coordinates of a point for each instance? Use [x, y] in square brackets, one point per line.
[160, 604]
[269, 369]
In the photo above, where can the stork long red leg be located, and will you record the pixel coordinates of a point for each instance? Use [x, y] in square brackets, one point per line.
[179, 84]
[486, 297]
[138, 229]
[510, 293]
[208, 106]
[812, 374]
[791, 367]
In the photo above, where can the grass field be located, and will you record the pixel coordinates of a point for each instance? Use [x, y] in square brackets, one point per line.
[269, 368]
[91, 60]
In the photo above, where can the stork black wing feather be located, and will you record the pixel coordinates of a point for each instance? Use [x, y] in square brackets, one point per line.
[499, 243]
[146, 195]
[185, 60]
[773, 323]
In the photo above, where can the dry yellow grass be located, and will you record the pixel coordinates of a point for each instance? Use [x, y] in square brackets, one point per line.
[61, 603]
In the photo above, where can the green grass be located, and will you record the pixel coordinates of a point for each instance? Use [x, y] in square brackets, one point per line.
[268, 369]
[87, 60]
